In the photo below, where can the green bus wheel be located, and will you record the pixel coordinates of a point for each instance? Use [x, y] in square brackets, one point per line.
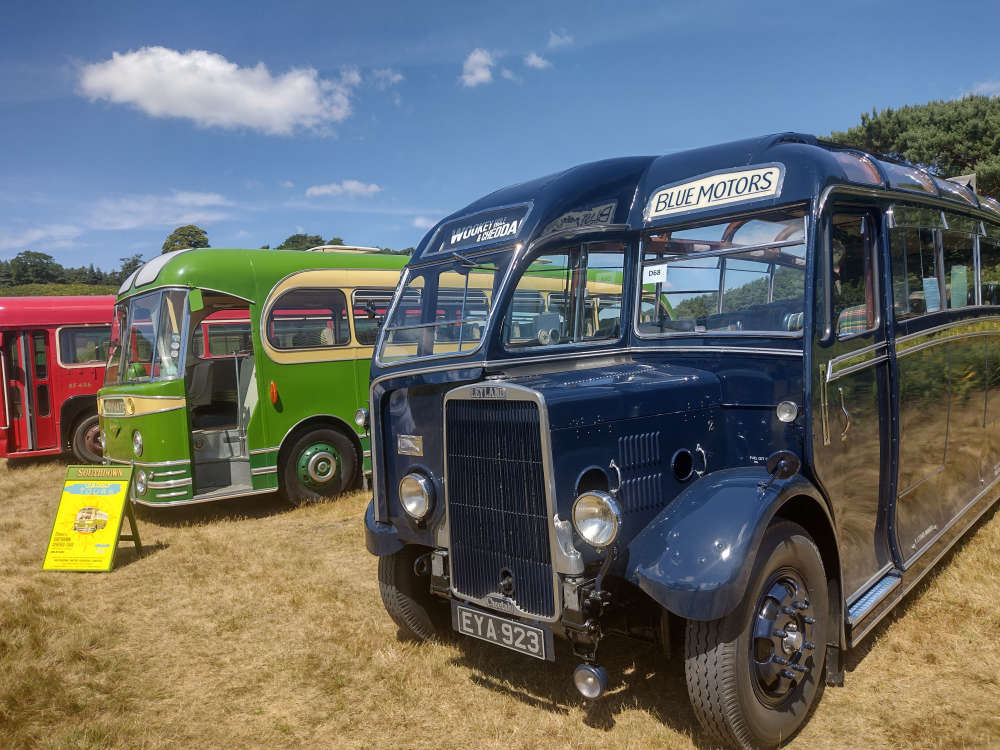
[320, 463]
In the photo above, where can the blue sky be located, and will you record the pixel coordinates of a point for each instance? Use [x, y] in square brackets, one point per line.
[371, 120]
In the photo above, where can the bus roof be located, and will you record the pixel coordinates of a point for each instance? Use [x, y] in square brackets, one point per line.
[244, 273]
[25, 312]
[633, 193]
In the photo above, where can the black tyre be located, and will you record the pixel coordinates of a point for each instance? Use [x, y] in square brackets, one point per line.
[319, 464]
[407, 595]
[755, 675]
[86, 442]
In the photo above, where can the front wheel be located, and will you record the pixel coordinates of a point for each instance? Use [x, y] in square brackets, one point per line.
[86, 441]
[755, 675]
[320, 463]
[404, 582]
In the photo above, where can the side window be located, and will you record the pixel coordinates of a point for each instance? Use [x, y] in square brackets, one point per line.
[40, 347]
[309, 319]
[369, 308]
[854, 298]
[958, 269]
[84, 346]
[226, 338]
[989, 258]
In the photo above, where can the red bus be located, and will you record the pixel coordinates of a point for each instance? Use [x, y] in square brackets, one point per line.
[52, 358]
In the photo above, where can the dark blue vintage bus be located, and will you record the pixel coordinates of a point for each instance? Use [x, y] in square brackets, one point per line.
[750, 392]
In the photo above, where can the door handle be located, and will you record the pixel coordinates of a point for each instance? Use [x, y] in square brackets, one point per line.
[847, 415]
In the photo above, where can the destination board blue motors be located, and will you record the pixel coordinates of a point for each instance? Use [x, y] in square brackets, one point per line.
[483, 228]
[761, 181]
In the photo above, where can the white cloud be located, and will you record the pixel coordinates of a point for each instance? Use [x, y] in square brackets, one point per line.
[509, 74]
[211, 91]
[179, 207]
[353, 188]
[40, 238]
[386, 77]
[559, 39]
[287, 184]
[477, 68]
[422, 222]
[537, 62]
[987, 88]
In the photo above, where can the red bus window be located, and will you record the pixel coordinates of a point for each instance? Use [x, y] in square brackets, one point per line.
[41, 367]
[42, 398]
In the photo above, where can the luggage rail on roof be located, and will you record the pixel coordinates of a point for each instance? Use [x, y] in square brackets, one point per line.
[343, 249]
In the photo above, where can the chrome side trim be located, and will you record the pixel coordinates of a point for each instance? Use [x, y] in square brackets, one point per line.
[148, 464]
[204, 498]
[857, 360]
[258, 451]
[170, 473]
[914, 342]
[170, 484]
[719, 349]
[264, 470]
[165, 494]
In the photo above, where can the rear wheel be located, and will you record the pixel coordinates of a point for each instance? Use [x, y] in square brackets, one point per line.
[86, 441]
[404, 582]
[755, 675]
[320, 463]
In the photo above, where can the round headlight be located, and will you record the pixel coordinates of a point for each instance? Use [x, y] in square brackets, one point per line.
[596, 518]
[137, 442]
[140, 482]
[416, 494]
[787, 411]
[361, 418]
[103, 440]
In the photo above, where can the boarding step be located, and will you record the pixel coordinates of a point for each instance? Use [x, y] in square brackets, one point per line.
[867, 601]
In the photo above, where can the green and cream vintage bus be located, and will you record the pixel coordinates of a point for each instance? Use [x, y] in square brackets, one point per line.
[237, 372]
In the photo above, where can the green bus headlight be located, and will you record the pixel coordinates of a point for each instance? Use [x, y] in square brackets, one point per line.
[416, 494]
[596, 518]
[140, 482]
[137, 442]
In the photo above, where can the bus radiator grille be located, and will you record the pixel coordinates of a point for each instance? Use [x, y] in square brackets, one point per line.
[496, 503]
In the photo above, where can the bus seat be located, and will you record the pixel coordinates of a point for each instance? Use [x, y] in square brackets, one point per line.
[793, 321]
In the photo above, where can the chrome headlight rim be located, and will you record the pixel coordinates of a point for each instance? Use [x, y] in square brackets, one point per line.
[599, 540]
[361, 418]
[137, 442]
[141, 482]
[417, 499]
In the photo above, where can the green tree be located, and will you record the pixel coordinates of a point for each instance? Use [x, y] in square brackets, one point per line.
[301, 242]
[186, 236]
[335, 241]
[129, 264]
[29, 267]
[948, 138]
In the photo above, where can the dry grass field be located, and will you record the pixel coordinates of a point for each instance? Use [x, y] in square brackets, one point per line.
[250, 625]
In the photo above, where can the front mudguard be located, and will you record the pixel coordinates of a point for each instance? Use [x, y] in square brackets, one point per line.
[696, 556]
[381, 539]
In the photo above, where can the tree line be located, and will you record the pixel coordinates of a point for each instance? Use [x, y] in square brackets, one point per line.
[193, 236]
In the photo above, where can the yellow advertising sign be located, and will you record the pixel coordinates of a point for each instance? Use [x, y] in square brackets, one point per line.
[88, 522]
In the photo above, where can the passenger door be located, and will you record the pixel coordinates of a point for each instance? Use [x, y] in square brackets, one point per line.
[17, 364]
[850, 394]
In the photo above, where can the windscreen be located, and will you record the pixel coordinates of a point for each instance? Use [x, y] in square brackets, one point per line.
[736, 277]
[146, 338]
[441, 309]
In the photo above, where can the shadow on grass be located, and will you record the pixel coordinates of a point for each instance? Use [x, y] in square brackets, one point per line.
[857, 655]
[230, 508]
[128, 554]
[639, 677]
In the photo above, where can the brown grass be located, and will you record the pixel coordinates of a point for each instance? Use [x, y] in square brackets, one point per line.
[251, 625]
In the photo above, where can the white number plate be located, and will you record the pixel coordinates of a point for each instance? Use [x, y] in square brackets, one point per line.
[525, 639]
